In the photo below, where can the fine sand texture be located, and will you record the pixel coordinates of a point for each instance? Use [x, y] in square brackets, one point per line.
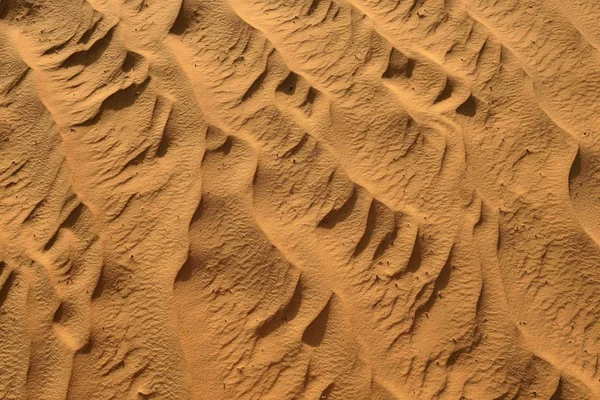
[299, 199]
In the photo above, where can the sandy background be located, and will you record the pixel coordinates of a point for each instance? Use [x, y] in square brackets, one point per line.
[299, 199]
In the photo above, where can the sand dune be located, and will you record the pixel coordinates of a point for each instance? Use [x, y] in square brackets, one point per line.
[299, 199]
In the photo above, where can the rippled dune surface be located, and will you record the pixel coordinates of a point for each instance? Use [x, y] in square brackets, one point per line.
[299, 199]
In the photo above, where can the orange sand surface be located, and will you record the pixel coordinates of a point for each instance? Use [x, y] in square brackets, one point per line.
[299, 199]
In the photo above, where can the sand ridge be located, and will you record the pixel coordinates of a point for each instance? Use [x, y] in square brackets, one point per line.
[308, 199]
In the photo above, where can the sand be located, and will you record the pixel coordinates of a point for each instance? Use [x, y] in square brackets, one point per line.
[299, 199]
